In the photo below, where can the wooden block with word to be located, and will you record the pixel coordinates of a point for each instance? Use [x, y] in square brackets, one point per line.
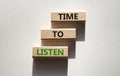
[64, 33]
[50, 52]
[68, 16]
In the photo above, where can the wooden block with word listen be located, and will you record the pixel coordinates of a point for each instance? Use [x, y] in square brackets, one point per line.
[64, 33]
[50, 51]
[68, 16]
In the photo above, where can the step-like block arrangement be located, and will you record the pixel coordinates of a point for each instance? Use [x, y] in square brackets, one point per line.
[68, 16]
[58, 33]
[50, 51]
[63, 33]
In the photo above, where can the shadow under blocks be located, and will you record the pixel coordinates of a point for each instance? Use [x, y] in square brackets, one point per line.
[59, 67]
[50, 67]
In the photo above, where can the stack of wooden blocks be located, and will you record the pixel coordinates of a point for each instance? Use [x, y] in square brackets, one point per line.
[53, 39]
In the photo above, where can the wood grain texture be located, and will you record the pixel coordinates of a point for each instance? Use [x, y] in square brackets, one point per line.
[54, 51]
[67, 33]
[55, 16]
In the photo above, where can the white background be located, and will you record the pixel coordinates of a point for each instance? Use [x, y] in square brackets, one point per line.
[21, 21]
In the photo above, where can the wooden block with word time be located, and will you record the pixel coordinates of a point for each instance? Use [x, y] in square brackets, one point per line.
[64, 33]
[68, 16]
[50, 51]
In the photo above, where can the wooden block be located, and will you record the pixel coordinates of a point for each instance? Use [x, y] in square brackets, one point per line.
[64, 33]
[50, 51]
[68, 16]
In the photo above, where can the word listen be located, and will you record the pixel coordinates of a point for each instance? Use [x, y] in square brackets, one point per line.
[68, 16]
[49, 51]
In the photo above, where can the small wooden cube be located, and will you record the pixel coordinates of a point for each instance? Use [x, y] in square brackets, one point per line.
[63, 33]
[50, 51]
[68, 16]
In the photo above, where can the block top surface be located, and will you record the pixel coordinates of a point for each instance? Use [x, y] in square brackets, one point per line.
[68, 16]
